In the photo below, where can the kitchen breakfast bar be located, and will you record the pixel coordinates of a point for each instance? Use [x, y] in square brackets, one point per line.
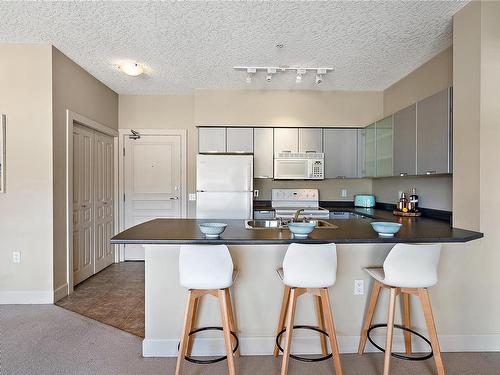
[257, 292]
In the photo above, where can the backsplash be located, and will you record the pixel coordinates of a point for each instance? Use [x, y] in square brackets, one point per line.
[433, 191]
[329, 189]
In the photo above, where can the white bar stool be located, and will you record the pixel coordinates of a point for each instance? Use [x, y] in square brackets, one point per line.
[407, 270]
[207, 270]
[308, 269]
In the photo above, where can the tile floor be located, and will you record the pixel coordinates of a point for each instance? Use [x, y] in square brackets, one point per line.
[115, 296]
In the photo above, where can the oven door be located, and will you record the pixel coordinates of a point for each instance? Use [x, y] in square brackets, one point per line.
[291, 169]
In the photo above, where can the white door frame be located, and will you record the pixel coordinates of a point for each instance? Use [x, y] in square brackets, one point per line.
[121, 187]
[72, 118]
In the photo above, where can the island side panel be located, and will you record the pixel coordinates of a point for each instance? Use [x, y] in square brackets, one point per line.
[257, 296]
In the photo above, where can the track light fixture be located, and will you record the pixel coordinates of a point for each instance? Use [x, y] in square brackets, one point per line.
[270, 71]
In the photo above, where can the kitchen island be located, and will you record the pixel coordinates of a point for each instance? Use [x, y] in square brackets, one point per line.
[257, 253]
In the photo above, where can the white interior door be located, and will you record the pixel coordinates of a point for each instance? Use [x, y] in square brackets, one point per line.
[152, 182]
[103, 201]
[83, 203]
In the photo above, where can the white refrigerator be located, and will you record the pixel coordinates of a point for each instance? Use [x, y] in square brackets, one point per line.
[224, 186]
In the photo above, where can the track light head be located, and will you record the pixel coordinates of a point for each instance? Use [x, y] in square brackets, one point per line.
[319, 79]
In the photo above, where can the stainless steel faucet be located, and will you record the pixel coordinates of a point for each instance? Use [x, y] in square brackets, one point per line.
[296, 214]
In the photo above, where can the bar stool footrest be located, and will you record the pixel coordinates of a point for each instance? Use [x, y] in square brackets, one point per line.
[299, 358]
[398, 355]
[215, 360]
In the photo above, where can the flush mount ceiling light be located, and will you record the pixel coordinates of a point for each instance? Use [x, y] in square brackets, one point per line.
[131, 69]
[272, 70]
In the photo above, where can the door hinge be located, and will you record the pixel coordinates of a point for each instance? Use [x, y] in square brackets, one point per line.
[124, 197]
[124, 151]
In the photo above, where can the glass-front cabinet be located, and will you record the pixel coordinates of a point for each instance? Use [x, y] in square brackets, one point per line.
[370, 169]
[384, 149]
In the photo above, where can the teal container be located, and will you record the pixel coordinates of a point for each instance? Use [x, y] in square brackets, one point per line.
[364, 200]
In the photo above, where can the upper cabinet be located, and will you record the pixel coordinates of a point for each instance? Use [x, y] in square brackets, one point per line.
[263, 153]
[370, 150]
[310, 140]
[341, 153]
[405, 141]
[212, 140]
[384, 152]
[239, 140]
[286, 140]
[434, 134]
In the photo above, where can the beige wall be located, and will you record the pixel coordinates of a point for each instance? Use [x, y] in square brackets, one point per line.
[164, 112]
[466, 119]
[26, 207]
[329, 190]
[74, 89]
[232, 107]
[435, 75]
[287, 108]
[433, 191]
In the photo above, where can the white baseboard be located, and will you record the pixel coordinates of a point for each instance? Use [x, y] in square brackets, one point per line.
[61, 292]
[311, 345]
[26, 297]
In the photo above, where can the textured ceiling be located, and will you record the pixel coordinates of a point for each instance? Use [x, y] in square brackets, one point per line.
[190, 45]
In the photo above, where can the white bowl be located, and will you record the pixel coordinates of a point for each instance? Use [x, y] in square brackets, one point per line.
[212, 230]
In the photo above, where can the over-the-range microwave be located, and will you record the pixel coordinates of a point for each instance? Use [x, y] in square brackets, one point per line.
[299, 166]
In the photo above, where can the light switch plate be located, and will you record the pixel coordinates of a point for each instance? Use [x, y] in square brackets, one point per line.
[343, 193]
[359, 287]
[192, 196]
[16, 257]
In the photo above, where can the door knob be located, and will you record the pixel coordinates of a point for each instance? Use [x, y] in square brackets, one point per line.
[173, 198]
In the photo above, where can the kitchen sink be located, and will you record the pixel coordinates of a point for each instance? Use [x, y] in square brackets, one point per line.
[278, 224]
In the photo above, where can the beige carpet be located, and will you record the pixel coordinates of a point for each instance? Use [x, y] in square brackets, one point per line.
[46, 339]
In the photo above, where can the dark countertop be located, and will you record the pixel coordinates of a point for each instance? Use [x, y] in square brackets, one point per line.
[186, 231]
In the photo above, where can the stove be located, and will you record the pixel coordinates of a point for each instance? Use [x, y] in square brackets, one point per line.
[287, 201]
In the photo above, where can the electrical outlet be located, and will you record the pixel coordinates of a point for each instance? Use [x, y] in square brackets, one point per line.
[359, 287]
[343, 193]
[16, 256]
[256, 193]
[192, 196]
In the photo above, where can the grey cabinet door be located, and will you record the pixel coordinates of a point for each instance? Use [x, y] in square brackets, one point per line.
[286, 139]
[405, 141]
[433, 134]
[341, 153]
[263, 153]
[310, 140]
[239, 140]
[211, 140]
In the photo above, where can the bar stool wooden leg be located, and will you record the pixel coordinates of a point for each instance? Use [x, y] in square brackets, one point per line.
[232, 318]
[330, 326]
[289, 330]
[406, 321]
[188, 317]
[282, 318]
[194, 325]
[369, 316]
[321, 323]
[224, 312]
[431, 327]
[390, 330]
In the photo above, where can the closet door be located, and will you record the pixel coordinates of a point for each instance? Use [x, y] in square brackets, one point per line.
[83, 204]
[103, 200]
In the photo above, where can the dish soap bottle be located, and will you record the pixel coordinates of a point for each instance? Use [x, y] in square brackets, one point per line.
[413, 203]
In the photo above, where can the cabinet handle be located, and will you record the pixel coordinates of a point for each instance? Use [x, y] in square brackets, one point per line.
[430, 172]
[84, 206]
[263, 176]
[311, 152]
[403, 174]
[173, 198]
[340, 176]
[288, 151]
